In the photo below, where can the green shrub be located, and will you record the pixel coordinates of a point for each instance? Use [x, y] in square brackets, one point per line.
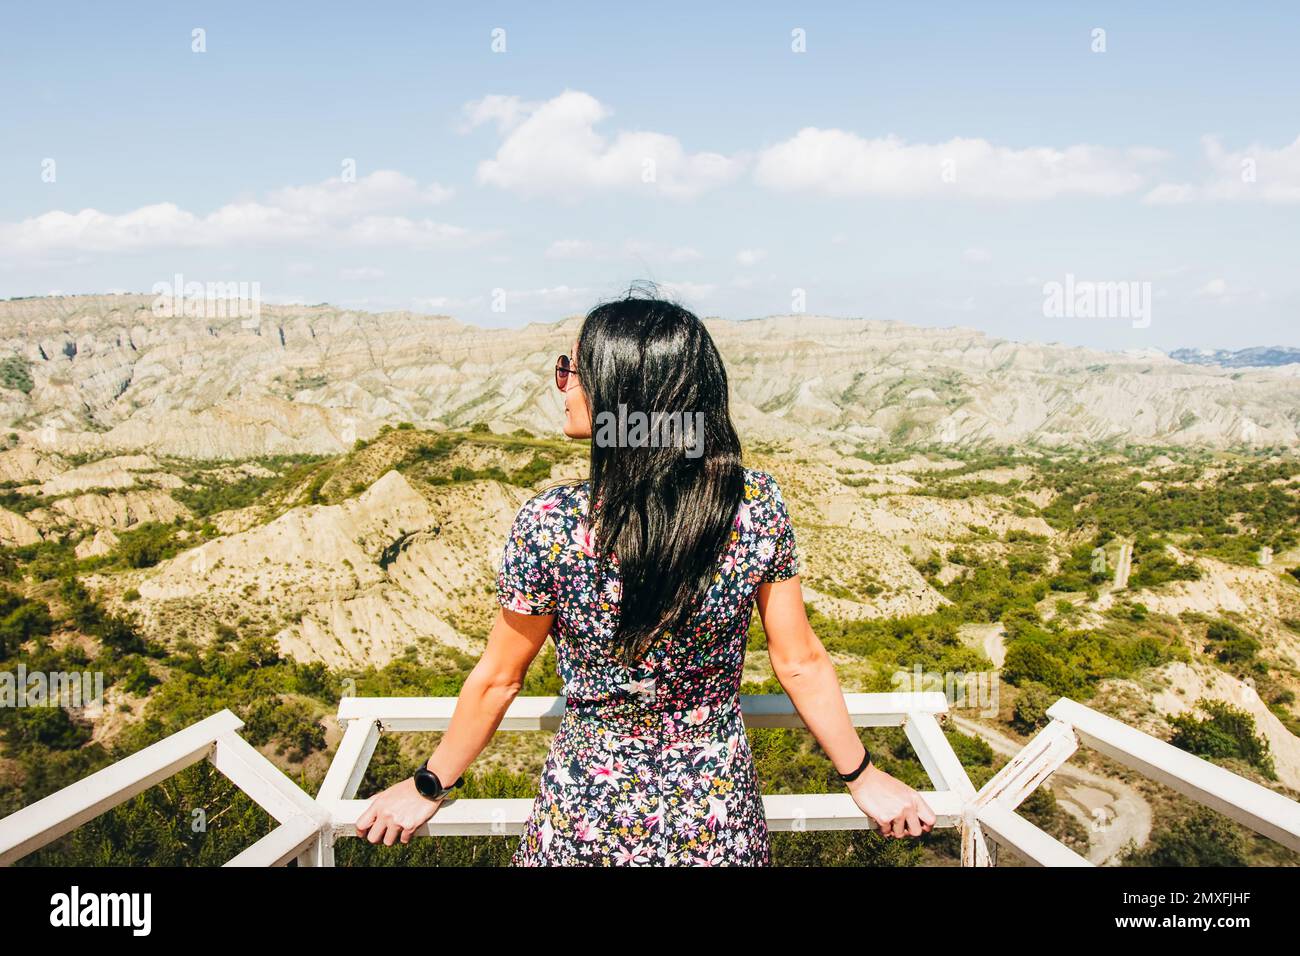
[1031, 662]
[116, 633]
[1030, 710]
[16, 373]
[1154, 568]
[290, 724]
[1072, 663]
[1205, 838]
[147, 544]
[1230, 644]
[21, 620]
[46, 725]
[1227, 732]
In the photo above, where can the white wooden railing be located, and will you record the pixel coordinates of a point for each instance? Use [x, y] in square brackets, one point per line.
[366, 717]
[214, 738]
[308, 827]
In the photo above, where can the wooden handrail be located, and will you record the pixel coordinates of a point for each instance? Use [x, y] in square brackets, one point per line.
[308, 826]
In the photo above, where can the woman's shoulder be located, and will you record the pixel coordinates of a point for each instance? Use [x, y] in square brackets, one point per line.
[763, 498]
[557, 502]
[759, 485]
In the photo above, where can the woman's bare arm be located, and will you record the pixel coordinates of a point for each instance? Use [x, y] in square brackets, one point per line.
[807, 674]
[489, 690]
[804, 669]
[484, 698]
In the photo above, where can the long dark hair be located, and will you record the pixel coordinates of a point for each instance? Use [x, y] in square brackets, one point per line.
[665, 512]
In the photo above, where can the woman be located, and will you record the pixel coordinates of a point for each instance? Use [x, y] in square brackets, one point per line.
[646, 575]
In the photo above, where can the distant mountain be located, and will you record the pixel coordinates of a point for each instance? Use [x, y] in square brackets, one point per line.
[101, 374]
[1261, 356]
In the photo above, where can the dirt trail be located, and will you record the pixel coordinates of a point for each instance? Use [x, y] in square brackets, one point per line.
[1113, 812]
[1123, 566]
[990, 638]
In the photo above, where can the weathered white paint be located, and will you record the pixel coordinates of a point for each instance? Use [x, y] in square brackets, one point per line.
[947, 773]
[1022, 774]
[1245, 801]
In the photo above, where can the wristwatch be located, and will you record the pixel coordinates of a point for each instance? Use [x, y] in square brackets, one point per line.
[850, 777]
[427, 782]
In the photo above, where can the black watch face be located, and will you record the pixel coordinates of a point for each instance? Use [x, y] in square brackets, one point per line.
[427, 783]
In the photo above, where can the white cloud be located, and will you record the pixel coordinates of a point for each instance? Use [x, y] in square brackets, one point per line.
[547, 303]
[977, 255]
[1215, 288]
[549, 295]
[750, 257]
[506, 112]
[840, 163]
[556, 150]
[1257, 173]
[330, 211]
[159, 224]
[443, 303]
[384, 189]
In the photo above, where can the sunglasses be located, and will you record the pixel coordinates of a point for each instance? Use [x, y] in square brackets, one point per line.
[563, 369]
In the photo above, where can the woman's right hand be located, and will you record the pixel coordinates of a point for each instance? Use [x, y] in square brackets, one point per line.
[396, 814]
[898, 810]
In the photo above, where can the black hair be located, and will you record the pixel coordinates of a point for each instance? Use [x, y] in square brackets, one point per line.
[664, 513]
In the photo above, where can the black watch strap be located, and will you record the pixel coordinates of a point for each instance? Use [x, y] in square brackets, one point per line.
[850, 777]
[428, 784]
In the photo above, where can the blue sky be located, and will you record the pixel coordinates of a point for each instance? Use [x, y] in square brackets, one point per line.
[936, 164]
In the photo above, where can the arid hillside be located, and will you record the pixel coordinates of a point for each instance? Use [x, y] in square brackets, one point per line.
[104, 373]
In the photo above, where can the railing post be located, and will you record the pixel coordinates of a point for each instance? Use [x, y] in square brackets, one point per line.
[976, 848]
[348, 768]
[320, 853]
[937, 757]
[1009, 787]
[1040, 758]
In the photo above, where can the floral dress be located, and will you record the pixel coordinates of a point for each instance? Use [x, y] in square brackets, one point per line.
[650, 765]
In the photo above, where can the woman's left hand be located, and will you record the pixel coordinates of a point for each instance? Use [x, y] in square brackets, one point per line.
[396, 814]
[898, 810]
